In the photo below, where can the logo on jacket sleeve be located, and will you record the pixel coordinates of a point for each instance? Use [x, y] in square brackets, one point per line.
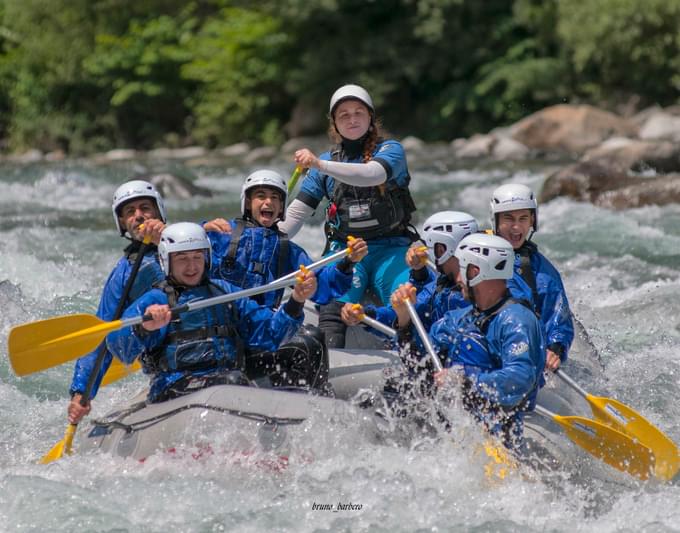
[519, 349]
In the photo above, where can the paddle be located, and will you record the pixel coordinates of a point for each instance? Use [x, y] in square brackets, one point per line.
[294, 179]
[46, 343]
[119, 370]
[424, 337]
[419, 327]
[64, 446]
[605, 443]
[601, 441]
[626, 420]
[390, 332]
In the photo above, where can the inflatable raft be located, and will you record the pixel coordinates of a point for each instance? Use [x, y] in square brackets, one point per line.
[264, 419]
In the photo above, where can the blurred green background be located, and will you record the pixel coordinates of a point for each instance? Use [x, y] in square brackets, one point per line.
[90, 75]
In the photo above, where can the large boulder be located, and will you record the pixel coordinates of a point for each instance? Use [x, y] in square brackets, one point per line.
[661, 125]
[636, 155]
[661, 190]
[174, 186]
[570, 128]
[610, 187]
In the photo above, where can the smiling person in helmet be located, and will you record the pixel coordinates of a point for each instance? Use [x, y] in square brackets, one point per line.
[497, 343]
[256, 251]
[135, 203]
[204, 346]
[514, 216]
[366, 179]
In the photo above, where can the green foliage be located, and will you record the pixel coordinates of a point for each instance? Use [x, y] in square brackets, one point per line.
[623, 47]
[89, 75]
[140, 74]
[238, 63]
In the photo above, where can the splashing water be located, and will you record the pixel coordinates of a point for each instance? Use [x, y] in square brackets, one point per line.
[58, 244]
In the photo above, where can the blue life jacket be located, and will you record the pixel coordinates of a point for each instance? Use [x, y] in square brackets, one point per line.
[149, 273]
[502, 349]
[548, 296]
[252, 256]
[200, 341]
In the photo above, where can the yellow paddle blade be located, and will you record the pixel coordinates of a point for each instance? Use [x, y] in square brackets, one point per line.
[611, 446]
[628, 421]
[46, 343]
[119, 370]
[501, 463]
[62, 447]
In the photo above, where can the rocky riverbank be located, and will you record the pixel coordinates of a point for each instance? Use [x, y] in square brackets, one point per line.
[611, 161]
[617, 162]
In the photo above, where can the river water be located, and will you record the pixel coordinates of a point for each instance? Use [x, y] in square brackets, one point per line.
[58, 244]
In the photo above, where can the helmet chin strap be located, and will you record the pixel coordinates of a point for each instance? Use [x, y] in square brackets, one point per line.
[471, 294]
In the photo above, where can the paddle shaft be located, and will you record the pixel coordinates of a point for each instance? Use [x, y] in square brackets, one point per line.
[379, 326]
[317, 264]
[564, 377]
[294, 179]
[101, 353]
[419, 327]
[424, 337]
[284, 281]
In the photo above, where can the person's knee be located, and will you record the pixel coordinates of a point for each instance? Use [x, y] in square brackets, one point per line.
[331, 324]
[304, 359]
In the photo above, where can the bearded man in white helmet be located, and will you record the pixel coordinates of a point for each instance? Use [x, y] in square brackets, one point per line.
[138, 212]
[496, 345]
[514, 216]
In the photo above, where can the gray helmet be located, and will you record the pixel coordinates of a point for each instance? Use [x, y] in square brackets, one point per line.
[264, 178]
[135, 189]
[492, 254]
[182, 237]
[350, 92]
[513, 197]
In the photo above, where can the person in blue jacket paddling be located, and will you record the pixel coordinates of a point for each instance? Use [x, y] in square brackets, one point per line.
[365, 179]
[496, 346]
[204, 346]
[138, 212]
[251, 250]
[514, 216]
[436, 294]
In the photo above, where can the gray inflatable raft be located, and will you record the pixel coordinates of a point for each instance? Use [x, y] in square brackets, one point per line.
[262, 419]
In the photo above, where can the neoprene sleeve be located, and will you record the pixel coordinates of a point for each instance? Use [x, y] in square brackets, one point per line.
[358, 174]
[296, 214]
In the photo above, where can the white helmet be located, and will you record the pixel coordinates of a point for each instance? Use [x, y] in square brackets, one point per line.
[492, 254]
[347, 92]
[447, 228]
[135, 189]
[264, 178]
[182, 237]
[512, 197]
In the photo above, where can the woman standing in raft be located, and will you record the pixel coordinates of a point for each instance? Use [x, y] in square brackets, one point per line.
[365, 178]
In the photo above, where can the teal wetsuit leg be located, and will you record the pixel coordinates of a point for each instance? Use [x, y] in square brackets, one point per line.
[383, 270]
[390, 271]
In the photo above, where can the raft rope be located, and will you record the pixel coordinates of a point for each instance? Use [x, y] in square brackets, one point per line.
[143, 424]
